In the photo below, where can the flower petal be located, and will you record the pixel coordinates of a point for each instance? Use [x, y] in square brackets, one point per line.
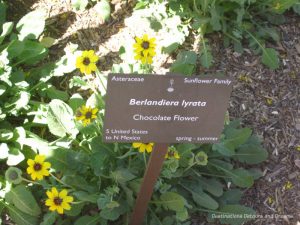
[30, 162]
[136, 144]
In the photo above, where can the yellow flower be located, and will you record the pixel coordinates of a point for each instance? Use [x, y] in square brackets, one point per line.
[37, 168]
[143, 146]
[144, 49]
[269, 101]
[87, 62]
[172, 153]
[245, 78]
[288, 185]
[86, 114]
[58, 201]
[270, 200]
[298, 148]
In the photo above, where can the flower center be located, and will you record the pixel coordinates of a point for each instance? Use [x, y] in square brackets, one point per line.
[88, 115]
[13, 175]
[201, 158]
[57, 201]
[171, 154]
[86, 61]
[37, 167]
[78, 114]
[145, 44]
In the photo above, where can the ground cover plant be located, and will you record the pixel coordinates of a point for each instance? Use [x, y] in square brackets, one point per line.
[55, 169]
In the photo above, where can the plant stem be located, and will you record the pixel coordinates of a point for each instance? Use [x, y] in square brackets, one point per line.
[100, 80]
[145, 160]
[209, 174]
[60, 181]
[85, 148]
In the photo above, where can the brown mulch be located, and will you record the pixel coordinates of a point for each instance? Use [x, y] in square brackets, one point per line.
[265, 100]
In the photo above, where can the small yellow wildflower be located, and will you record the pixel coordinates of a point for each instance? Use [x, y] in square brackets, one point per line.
[87, 62]
[245, 78]
[58, 201]
[298, 148]
[144, 49]
[287, 186]
[37, 168]
[143, 146]
[86, 114]
[269, 101]
[172, 153]
[270, 200]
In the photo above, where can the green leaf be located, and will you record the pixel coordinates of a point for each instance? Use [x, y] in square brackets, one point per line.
[31, 53]
[206, 56]
[224, 150]
[58, 159]
[4, 151]
[122, 175]
[270, 58]
[232, 196]
[84, 196]
[3, 8]
[79, 182]
[2, 89]
[172, 201]
[200, 197]
[15, 157]
[236, 214]
[47, 42]
[99, 162]
[31, 25]
[296, 8]
[79, 4]
[75, 210]
[242, 178]
[15, 48]
[103, 9]
[212, 186]
[87, 220]
[170, 48]
[60, 120]
[24, 200]
[185, 63]
[115, 213]
[21, 100]
[49, 218]
[251, 154]
[6, 135]
[236, 137]
[53, 93]
[215, 19]
[182, 215]
[6, 29]
[21, 218]
[76, 101]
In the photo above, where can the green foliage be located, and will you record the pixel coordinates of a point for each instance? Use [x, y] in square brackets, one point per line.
[22, 199]
[58, 119]
[102, 7]
[185, 63]
[38, 117]
[238, 21]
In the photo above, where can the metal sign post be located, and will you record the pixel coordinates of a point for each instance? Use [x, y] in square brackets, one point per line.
[152, 172]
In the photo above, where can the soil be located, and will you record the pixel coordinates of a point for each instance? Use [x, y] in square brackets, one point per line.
[265, 100]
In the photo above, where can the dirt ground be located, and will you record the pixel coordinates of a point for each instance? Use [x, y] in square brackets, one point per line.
[265, 100]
